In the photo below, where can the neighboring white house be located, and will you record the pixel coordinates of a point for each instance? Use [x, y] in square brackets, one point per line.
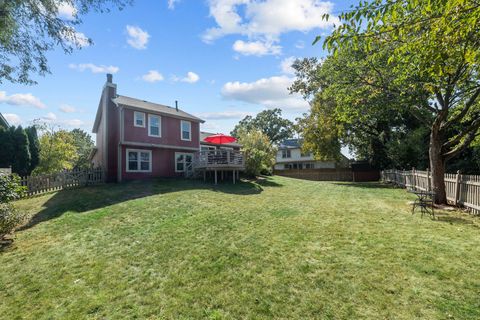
[290, 156]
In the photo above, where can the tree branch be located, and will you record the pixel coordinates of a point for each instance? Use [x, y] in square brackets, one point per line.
[464, 111]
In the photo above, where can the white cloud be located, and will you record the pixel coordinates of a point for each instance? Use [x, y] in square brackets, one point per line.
[21, 99]
[270, 92]
[52, 118]
[49, 117]
[171, 4]
[267, 20]
[256, 48]
[191, 77]
[67, 11]
[152, 76]
[137, 37]
[286, 65]
[94, 68]
[67, 108]
[300, 44]
[12, 118]
[75, 38]
[224, 115]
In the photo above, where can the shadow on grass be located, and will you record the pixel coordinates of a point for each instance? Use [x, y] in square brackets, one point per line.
[447, 218]
[95, 197]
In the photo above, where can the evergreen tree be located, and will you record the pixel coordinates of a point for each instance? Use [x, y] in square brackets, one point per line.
[21, 152]
[34, 147]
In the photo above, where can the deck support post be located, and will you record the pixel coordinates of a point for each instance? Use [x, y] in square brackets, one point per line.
[215, 176]
[233, 176]
[204, 175]
[221, 174]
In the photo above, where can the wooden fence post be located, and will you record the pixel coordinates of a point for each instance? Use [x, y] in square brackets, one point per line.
[429, 184]
[457, 188]
[414, 179]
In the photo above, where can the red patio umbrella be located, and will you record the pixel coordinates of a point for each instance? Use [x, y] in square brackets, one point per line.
[220, 138]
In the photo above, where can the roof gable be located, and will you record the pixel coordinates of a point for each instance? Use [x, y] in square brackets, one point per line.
[155, 107]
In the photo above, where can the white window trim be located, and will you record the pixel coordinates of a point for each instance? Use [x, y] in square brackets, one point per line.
[181, 130]
[138, 160]
[286, 154]
[159, 126]
[135, 119]
[175, 160]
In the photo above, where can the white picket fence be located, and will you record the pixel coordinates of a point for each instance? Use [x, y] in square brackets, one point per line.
[462, 190]
[62, 180]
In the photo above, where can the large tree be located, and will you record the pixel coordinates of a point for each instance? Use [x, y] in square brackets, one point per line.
[29, 29]
[84, 144]
[435, 47]
[349, 108]
[57, 151]
[270, 122]
[34, 147]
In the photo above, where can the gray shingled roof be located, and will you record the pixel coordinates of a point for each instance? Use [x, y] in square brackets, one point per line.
[290, 143]
[3, 122]
[155, 107]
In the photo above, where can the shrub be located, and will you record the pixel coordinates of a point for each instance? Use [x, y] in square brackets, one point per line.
[259, 152]
[9, 219]
[10, 189]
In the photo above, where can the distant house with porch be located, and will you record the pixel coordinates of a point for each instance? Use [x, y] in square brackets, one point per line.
[138, 139]
[291, 157]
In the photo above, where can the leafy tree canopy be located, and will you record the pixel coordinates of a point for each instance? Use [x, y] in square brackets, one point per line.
[432, 49]
[270, 122]
[259, 152]
[29, 29]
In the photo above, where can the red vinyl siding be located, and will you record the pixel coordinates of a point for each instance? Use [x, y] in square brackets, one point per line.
[170, 131]
[163, 164]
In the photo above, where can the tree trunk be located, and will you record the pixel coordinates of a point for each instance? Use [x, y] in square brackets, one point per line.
[437, 165]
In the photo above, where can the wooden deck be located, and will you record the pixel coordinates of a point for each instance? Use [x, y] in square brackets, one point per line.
[218, 161]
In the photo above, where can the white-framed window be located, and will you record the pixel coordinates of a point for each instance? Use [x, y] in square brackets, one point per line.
[309, 166]
[139, 160]
[186, 130]
[154, 126]
[139, 119]
[182, 161]
[286, 153]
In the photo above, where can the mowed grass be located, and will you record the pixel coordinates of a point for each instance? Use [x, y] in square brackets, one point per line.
[276, 248]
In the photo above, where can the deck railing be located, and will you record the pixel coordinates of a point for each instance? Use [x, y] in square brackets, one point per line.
[218, 159]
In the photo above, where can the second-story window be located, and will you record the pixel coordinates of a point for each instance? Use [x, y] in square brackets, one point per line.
[154, 129]
[139, 119]
[186, 127]
[286, 153]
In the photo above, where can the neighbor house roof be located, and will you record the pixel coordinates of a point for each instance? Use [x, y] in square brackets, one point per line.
[204, 134]
[290, 144]
[155, 107]
[3, 122]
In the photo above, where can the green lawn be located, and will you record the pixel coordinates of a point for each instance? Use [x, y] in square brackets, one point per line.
[277, 248]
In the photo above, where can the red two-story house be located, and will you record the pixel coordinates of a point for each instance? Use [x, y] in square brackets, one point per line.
[138, 139]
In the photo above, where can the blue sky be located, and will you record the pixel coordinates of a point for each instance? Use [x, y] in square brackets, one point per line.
[221, 59]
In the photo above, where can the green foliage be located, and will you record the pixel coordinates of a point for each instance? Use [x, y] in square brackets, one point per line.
[29, 29]
[258, 150]
[10, 187]
[430, 46]
[270, 122]
[57, 152]
[10, 218]
[14, 150]
[34, 147]
[84, 144]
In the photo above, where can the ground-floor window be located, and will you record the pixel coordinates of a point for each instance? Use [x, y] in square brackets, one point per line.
[182, 161]
[299, 166]
[139, 160]
[309, 166]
